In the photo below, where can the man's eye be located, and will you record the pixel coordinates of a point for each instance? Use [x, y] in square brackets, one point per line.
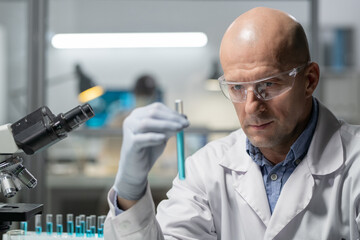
[266, 86]
[237, 87]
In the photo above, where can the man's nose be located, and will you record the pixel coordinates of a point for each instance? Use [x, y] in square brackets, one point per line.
[252, 103]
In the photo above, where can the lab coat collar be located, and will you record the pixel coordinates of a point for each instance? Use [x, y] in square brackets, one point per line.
[325, 153]
[236, 158]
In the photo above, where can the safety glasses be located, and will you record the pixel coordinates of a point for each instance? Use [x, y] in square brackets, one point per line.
[264, 89]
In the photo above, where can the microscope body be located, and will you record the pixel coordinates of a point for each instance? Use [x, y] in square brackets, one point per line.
[31, 134]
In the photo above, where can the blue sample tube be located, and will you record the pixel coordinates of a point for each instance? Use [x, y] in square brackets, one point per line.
[93, 225]
[49, 224]
[101, 220]
[59, 224]
[38, 228]
[82, 224]
[23, 226]
[180, 143]
[78, 227]
[88, 231]
[70, 223]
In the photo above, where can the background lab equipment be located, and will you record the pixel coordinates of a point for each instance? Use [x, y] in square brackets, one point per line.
[36, 131]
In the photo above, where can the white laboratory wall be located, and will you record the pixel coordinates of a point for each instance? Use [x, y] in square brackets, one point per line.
[345, 13]
[341, 95]
[3, 82]
[181, 73]
[13, 19]
[340, 89]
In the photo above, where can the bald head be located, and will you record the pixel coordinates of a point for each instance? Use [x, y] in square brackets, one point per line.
[264, 35]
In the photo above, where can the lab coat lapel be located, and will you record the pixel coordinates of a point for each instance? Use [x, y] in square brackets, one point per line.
[255, 197]
[325, 155]
[295, 196]
[248, 181]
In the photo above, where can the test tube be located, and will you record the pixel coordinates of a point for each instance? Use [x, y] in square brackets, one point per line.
[78, 226]
[49, 224]
[70, 224]
[59, 224]
[180, 143]
[88, 231]
[23, 226]
[82, 224]
[101, 220]
[93, 225]
[38, 228]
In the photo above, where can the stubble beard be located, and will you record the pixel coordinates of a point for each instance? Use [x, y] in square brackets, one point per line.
[265, 142]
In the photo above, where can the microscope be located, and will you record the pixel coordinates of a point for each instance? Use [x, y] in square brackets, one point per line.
[31, 134]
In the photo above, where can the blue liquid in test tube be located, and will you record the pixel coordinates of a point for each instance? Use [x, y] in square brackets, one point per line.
[78, 231]
[180, 143]
[100, 232]
[78, 227]
[49, 224]
[101, 220]
[38, 228]
[59, 224]
[70, 227]
[82, 224]
[70, 224]
[88, 225]
[49, 228]
[93, 230]
[180, 154]
[93, 225]
[24, 227]
[59, 229]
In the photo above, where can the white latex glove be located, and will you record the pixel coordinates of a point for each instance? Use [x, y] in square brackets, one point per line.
[145, 133]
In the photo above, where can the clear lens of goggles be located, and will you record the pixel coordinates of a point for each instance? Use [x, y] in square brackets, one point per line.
[264, 89]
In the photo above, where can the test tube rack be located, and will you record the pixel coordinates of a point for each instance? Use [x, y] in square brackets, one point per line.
[85, 228]
[46, 236]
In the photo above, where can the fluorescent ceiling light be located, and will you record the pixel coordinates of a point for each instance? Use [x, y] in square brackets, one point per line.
[129, 40]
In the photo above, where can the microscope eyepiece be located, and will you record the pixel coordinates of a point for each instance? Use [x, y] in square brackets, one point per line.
[76, 116]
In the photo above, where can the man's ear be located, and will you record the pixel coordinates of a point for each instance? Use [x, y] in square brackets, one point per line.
[312, 75]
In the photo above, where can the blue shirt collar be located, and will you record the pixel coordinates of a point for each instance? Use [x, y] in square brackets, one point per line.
[300, 147]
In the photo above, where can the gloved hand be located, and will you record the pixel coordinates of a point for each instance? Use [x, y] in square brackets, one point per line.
[145, 133]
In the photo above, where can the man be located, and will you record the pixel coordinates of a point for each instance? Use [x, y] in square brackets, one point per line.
[291, 172]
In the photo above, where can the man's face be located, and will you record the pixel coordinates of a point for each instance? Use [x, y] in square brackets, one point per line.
[258, 44]
[275, 123]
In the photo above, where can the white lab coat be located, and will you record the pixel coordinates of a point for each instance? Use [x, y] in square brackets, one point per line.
[223, 196]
